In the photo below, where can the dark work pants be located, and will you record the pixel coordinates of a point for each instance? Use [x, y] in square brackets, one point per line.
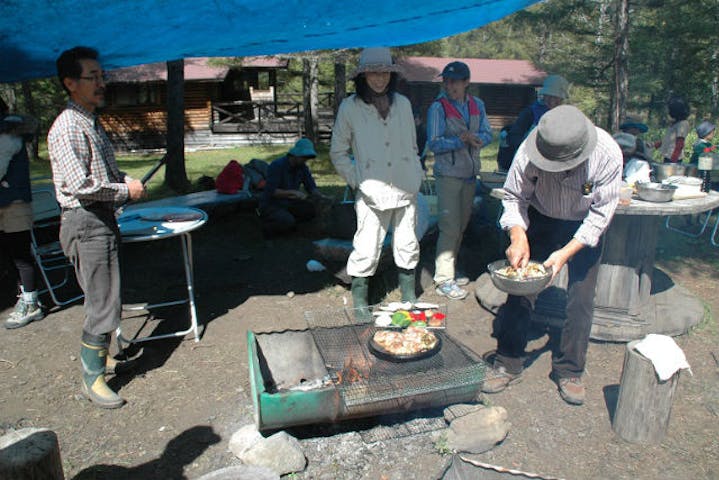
[546, 235]
[90, 239]
[17, 246]
[278, 218]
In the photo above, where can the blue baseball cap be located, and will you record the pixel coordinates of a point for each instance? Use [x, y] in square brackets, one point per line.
[456, 70]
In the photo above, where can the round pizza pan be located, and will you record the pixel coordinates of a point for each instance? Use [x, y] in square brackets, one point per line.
[380, 352]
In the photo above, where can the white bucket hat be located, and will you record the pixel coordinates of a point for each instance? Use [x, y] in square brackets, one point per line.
[563, 139]
[555, 86]
[376, 59]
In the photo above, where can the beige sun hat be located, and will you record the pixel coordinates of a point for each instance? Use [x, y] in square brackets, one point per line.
[563, 139]
[376, 59]
[555, 86]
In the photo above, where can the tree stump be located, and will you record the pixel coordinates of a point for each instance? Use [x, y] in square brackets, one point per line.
[645, 403]
[30, 454]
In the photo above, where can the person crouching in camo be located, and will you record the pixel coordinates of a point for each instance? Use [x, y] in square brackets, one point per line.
[376, 126]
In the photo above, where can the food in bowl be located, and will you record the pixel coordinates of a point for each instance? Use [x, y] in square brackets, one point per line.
[531, 271]
[529, 280]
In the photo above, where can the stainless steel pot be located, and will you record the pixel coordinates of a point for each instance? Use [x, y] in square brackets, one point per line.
[662, 171]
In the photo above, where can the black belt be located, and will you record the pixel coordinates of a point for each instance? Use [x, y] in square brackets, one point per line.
[94, 207]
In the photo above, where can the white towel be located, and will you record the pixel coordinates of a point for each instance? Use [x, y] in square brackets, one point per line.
[664, 353]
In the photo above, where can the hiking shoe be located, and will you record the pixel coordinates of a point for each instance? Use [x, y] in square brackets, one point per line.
[23, 314]
[498, 378]
[451, 290]
[462, 280]
[571, 389]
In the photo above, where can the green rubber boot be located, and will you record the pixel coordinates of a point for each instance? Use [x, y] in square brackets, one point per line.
[360, 294]
[93, 355]
[407, 285]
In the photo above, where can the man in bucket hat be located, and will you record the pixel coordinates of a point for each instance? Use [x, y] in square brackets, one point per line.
[283, 204]
[554, 91]
[374, 148]
[457, 129]
[561, 193]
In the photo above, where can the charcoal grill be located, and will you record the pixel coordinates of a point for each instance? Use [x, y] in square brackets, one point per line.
[327, 373]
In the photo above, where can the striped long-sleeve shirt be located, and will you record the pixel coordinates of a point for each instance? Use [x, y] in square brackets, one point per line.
[588, 192]
[84, 169]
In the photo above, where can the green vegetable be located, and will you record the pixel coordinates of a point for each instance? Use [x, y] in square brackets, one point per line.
[420, 324]
[397, 319]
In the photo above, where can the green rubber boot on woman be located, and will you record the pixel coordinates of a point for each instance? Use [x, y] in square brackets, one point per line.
[360, 296]
[406, 280]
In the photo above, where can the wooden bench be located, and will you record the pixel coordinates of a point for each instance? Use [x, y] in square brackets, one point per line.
[209, 201]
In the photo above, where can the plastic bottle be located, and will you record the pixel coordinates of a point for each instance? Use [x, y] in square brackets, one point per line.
[705, 165]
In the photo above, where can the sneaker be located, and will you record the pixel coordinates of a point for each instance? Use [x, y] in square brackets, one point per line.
[571, 389]
[451, 290]
[23, 314]
[498, 378]
[462, 280]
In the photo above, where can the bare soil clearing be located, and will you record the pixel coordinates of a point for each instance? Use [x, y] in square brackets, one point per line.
[185, 399]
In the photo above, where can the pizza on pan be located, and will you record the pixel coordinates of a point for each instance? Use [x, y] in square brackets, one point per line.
[411, 341]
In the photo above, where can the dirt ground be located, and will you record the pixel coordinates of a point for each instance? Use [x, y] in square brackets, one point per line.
[185, 399]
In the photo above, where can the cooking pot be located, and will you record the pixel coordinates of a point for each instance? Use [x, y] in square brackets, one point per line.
[662, 171]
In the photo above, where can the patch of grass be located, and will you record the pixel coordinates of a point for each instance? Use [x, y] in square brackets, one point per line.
[442, 446]
[708, 323]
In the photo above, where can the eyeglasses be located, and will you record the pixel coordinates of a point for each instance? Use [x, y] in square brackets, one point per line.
[95, 78]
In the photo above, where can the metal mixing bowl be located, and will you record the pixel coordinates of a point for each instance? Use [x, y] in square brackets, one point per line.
[517, 287]
[655, 192]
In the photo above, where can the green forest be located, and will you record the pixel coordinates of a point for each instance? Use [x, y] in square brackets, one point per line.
[620, 56]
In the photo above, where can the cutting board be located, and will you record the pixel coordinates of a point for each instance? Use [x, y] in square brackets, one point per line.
[679, 195]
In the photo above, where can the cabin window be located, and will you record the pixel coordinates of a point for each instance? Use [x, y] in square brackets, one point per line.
[134, 94]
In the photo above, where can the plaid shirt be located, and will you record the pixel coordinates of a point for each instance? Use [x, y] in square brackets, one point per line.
[84, 169]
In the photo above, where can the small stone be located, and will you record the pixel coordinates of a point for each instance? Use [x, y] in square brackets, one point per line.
[290, 294]
[73, 358]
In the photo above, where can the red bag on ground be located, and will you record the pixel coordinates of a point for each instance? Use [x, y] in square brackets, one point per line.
[231, 178]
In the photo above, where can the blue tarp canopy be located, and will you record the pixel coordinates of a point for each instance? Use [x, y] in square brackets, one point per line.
[133, 32]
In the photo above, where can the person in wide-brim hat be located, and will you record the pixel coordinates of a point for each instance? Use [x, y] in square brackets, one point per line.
[560, 195]
[374, 149]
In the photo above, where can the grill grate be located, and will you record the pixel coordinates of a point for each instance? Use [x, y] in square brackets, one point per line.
[368, 384]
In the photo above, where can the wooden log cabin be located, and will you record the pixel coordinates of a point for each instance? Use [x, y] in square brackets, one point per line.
[505, 86]
[241, 104]
[136, 112]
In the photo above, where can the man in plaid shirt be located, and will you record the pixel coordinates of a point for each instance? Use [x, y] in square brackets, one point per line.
[89, 186]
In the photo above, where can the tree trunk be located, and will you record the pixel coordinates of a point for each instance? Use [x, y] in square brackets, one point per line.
[29, 454]
[310, 96]
[621, 74]
[644, 405]
[340, 85]
[30, 110]
[175, 174]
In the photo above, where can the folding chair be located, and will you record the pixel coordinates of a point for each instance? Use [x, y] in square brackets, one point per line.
[689, 233]
[47, 252]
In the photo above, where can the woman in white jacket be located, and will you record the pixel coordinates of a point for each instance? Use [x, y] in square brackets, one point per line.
[375, 126]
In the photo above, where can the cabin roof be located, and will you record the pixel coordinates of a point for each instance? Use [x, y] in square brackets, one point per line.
[196, 69]
[482, 70]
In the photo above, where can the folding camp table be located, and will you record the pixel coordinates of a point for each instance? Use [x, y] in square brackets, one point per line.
[158, 223]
